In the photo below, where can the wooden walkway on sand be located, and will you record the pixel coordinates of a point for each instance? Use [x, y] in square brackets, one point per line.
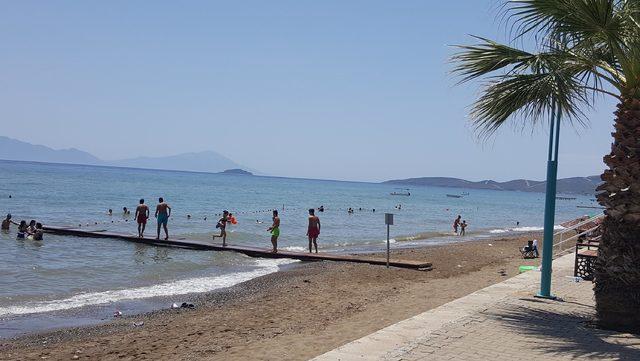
[249, 251]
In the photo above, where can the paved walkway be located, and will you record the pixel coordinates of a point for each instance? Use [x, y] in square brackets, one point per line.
[501, 322]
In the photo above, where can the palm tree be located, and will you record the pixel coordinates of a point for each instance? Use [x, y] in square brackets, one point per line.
[583, 49]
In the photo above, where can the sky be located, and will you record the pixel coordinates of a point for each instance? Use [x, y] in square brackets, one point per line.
[349, 90]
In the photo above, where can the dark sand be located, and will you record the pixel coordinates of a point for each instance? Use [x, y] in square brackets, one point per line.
[295, 314]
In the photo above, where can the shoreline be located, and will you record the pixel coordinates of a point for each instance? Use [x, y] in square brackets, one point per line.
[302, 301]
[97, 314]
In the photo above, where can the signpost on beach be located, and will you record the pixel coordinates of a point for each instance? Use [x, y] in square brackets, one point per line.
[388, 220]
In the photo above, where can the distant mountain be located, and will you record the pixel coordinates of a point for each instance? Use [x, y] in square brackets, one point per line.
[574, 185]
[12, 149]
[207, 161]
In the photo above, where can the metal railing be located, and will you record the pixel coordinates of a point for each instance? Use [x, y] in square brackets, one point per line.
[564, 243]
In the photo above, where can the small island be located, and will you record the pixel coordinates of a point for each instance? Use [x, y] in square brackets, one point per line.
[236, 171]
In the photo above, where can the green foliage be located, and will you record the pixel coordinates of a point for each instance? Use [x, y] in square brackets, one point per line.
[584, 48]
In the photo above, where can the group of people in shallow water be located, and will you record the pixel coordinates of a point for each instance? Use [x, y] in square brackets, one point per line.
[33, 230]
[163, 213]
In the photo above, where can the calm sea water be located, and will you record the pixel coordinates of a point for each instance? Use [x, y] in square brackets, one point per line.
[65, 272]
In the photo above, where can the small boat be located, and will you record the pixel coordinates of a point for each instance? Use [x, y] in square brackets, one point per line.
[566, 198]
[401, 192]
[454, 196]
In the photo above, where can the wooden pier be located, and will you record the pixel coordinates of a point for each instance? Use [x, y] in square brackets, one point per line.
[247, 250]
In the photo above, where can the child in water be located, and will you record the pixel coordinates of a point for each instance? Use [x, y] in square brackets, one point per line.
[463, 227]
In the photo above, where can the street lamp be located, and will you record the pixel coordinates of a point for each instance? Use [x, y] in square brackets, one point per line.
[550, 204]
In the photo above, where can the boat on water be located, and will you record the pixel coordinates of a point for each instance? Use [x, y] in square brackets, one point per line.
[566, 198]
[454, 196]
[401, 192]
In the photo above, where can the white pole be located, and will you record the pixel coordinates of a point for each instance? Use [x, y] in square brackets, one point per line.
[388, 247]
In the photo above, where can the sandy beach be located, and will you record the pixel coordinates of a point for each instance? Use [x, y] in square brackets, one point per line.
[294, 314]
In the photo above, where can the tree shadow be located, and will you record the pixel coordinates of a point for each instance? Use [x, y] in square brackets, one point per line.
[567, 334]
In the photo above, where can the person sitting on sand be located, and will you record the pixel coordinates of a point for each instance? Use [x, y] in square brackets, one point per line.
[534, 247]
[141, 216]
[163, 212]
[275, 231]
[463, 226]
[6, 223]
[456, 223]
[313, 231]
[222, 225]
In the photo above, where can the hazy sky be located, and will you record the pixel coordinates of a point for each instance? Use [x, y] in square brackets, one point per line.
[353, 90]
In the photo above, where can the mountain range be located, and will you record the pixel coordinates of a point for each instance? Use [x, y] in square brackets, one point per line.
[206, 161]
[573, 185]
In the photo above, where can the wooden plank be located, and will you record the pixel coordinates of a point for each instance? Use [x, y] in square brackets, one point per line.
[588, 253]
[247, 250]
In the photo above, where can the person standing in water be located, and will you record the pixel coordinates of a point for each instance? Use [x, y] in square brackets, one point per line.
[37, 234]
[314, 230]
[463, 227]
[163, 212]
[22, 230]
[275, 231]
[222, 224]
[456, 223]
[7, 223]
[141, 216]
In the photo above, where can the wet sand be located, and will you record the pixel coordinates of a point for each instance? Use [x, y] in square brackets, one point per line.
[295, 314]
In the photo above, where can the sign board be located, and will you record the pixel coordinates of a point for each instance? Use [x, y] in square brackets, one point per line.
[388, 219]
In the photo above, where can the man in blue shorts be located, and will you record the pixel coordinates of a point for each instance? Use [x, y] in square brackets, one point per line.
[163, 212]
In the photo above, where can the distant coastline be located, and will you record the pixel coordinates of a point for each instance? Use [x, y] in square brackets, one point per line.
[205, 161]
[236, 171]
[573, 185]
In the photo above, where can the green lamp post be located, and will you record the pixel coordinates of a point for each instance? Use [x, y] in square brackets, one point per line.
[550, 204]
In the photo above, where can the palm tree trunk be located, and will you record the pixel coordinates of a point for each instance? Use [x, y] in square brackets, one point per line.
[617, 269]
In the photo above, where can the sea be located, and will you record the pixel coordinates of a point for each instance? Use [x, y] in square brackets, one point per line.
[67, 281]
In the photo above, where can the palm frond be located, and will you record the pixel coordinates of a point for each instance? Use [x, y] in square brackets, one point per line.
[486, 57]
[528, 97]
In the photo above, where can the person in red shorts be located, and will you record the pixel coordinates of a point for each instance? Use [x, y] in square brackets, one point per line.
[314, 230]
[142, 214]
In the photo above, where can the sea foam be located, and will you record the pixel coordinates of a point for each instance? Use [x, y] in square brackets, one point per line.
[557, 227]
[179, 287]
